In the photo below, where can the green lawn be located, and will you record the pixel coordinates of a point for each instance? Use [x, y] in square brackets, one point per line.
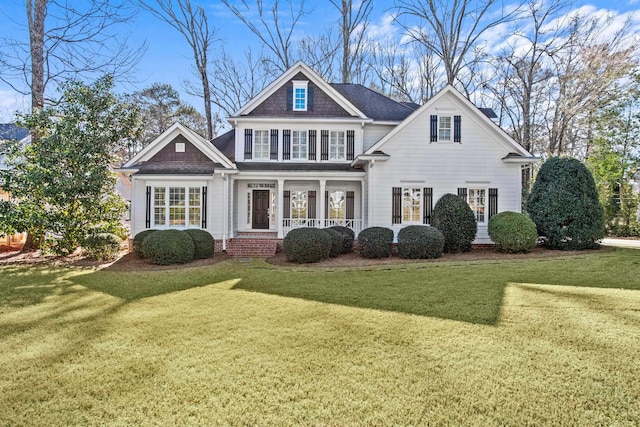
[549, 341]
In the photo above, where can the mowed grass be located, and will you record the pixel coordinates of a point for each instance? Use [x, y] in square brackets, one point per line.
[528, 342]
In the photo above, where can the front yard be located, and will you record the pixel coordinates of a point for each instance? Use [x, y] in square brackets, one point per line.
[539, 341]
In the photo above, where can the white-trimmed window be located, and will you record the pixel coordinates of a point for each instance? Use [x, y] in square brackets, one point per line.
[337, 146]
[477, 201]
[444, 128]
[300, 95]
[261, 144]
[337, 205]
[411, 205]
[177, 206]
[299, 205]
[299, 145]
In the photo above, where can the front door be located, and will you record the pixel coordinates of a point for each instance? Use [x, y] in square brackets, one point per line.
[260, 215]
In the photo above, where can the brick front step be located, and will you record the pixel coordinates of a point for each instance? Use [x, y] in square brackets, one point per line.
[244, 247]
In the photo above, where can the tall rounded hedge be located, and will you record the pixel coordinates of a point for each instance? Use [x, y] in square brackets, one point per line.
[512, 232]
[139, 239]
[375, 242]
[203, 241]
[564, 205]
[456, 221]
[166, 247]
[420, 242]
[348, 236]
[336, 242]
[306, 245]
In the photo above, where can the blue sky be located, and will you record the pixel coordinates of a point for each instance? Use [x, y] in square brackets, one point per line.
[168, 60]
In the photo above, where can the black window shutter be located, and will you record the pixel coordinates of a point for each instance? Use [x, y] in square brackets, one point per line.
[326, 205]
[311, 204]
[427, 204]
[350, 205]
[286, 144]
[310, 98]
[274, 144]
[350, 144]
[396, 205]
[493, 202]
[286, 201]
[434, 128]
[204, 207]
[457, 129]
[312, 144]
[248, 143]
[147, 215]
[324, 145]
[290, 97]
[462, 193]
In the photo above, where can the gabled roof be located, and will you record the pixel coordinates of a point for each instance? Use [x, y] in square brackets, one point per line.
[514, 148]
[300, 67]
[375, 105]
[226, 143]
[206, 147]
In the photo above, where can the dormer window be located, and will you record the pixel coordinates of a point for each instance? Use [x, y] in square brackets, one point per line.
[300, 91]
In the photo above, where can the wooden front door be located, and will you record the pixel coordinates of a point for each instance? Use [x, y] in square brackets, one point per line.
[260, 217]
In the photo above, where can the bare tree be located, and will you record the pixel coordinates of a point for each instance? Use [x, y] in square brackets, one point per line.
[275, 28]
[451, 30]
[353, 27]
[68, 42]
[191, 21]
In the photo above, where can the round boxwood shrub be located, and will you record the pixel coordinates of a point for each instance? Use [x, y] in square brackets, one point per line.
[139, 239]
[336, 242]
[420, 242]
[306, 245]
[453, 217]
[203, 242]
[348, 236]
[166, 247]
[564, 205]
[375, 242]
[102, 246]
[512, 232]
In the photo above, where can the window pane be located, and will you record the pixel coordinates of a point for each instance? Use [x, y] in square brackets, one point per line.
[300, 102]
[444, 131]
[194, 206]
[299, 204]
[477, 203]
[299, 145]
[177, 206]
[261, 144]
[159, 209]
[337, 205]
[337, 146]
[411, 202]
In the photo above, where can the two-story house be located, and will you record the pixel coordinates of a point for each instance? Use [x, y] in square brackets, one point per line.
[307, 153]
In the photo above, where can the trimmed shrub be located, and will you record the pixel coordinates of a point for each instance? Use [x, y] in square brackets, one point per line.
[456, 221]
[166, 247]
[203, 242]
[420, 242]
[348, 236]
[138, 240]
[565, 207]
[306, 245]
[336, 242]
[375, 242]
[102, 246]
[512, 232]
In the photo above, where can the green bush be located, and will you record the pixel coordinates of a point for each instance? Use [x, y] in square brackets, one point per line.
[420, 242]
[203, 241]
[102, 246]
[336, 242]
[456, 221]
[166, 247]
[138, 240]
[306, 245]
[375, 242]
[513, 232]
[565, 207]
[348, 236]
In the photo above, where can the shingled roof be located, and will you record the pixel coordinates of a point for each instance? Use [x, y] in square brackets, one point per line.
[373, 104]
[226, 143]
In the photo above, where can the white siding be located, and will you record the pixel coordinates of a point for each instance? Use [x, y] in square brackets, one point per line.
[475, 163]
[374, 133]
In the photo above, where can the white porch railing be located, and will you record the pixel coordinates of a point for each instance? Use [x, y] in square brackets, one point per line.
[289, 224]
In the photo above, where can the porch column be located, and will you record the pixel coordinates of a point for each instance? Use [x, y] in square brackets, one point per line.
[323, 186]
[233, 203]
[280, 209]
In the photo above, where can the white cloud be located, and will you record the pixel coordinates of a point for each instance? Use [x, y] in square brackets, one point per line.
[10, 102]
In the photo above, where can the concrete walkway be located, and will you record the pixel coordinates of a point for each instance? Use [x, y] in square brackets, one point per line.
[621, 243]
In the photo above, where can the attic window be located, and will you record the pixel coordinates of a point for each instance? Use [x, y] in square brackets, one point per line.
[179, 147]
[300, 95]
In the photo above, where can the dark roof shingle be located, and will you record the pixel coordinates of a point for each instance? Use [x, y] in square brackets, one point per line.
[373, 104]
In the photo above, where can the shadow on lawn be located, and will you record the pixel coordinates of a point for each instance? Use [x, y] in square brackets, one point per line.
[22, 286]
